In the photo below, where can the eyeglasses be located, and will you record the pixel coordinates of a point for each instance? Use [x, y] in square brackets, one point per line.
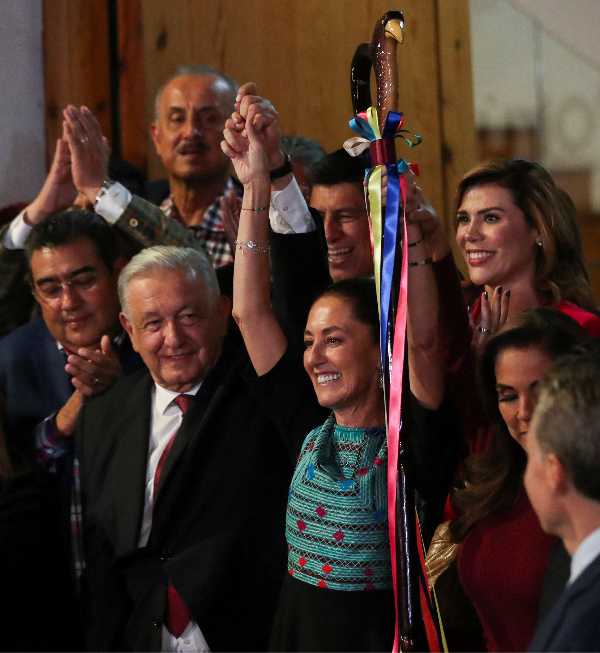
[51, 290]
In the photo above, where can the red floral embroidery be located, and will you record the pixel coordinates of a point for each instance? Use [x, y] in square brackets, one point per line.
[302, 561]
[301, 525]
[362, 471]
[322, 584]
[327, 569]
[378, 461]
[321, 511]
[338, 535]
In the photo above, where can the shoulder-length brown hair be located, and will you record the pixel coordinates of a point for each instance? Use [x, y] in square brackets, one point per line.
[560, 272]
[493, 480]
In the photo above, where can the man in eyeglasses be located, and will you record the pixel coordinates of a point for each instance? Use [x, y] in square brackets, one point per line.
[51, 366]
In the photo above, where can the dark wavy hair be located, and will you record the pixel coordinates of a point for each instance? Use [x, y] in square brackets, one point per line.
[560, 272]
[493, 480]
[360, 293]
[70, 225]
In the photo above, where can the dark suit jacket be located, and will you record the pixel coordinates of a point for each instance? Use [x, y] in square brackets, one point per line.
[573, 623]
[34, 382]
[217, 529]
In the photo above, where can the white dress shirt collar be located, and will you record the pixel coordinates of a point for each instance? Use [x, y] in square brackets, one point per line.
[163, 398]
[585, 554]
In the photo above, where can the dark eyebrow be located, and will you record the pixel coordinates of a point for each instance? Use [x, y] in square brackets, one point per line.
[71, 275]
[326, 331]
[486, 210]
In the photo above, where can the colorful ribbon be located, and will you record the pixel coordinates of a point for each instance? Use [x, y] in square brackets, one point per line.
[386, 233]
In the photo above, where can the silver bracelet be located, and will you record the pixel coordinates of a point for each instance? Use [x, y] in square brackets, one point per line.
[252, 246]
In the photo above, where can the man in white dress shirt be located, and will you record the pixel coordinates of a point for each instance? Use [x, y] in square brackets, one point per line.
[183, 476]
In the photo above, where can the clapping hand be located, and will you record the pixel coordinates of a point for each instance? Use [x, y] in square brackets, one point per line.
[89, 150]
[58, 191]
[93, 370]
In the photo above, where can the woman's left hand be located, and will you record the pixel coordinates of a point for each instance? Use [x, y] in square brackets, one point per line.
[494, 313]
[245, 145]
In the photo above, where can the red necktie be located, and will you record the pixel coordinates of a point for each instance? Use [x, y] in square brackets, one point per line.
[178, 616]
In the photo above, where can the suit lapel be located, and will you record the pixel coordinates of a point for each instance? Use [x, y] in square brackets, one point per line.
[549, 628]
[132, 433]
[193, 433]
[51, 368]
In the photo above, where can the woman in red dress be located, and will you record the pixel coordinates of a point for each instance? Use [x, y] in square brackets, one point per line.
[503, 552]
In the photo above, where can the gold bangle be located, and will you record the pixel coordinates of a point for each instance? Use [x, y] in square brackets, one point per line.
[252, 246]
[423, 261]
[259, 209]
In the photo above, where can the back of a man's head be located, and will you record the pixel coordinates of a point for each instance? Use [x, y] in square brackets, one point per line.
[70, 226]
[567, 418]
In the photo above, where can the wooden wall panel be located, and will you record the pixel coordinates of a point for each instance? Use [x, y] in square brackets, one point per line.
[458, 143]
[132, 88]
[76, 62]
[299, 54]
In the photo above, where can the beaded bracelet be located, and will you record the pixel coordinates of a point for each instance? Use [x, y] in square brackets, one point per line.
[259, 209]
[424, 261]
[252, 246]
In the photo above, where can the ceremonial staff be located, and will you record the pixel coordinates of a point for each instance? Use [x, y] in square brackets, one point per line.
[416, 628]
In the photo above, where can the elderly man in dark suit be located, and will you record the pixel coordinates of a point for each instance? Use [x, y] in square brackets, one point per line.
[183, 476]
[563, 483]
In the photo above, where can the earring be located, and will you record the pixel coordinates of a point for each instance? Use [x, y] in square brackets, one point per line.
[539, 243]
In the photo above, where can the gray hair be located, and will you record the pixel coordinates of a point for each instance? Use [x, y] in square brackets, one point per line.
[194, 264]
[567, 417]
[302, 149]
[198, 69]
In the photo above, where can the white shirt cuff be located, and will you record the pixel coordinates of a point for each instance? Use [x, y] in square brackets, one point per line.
[113, 202]
[17, 233]
[288, 213]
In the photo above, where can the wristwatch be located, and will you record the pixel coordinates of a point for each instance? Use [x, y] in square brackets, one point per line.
[283, 169]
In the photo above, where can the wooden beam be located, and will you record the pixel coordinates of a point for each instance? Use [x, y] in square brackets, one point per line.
[132, 86]
[457, 105]
[76, 62]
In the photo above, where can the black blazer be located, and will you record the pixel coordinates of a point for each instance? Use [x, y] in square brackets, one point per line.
[218, 526]
[573, 623]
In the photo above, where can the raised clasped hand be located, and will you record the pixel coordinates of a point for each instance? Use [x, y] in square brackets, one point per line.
[246, 147]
